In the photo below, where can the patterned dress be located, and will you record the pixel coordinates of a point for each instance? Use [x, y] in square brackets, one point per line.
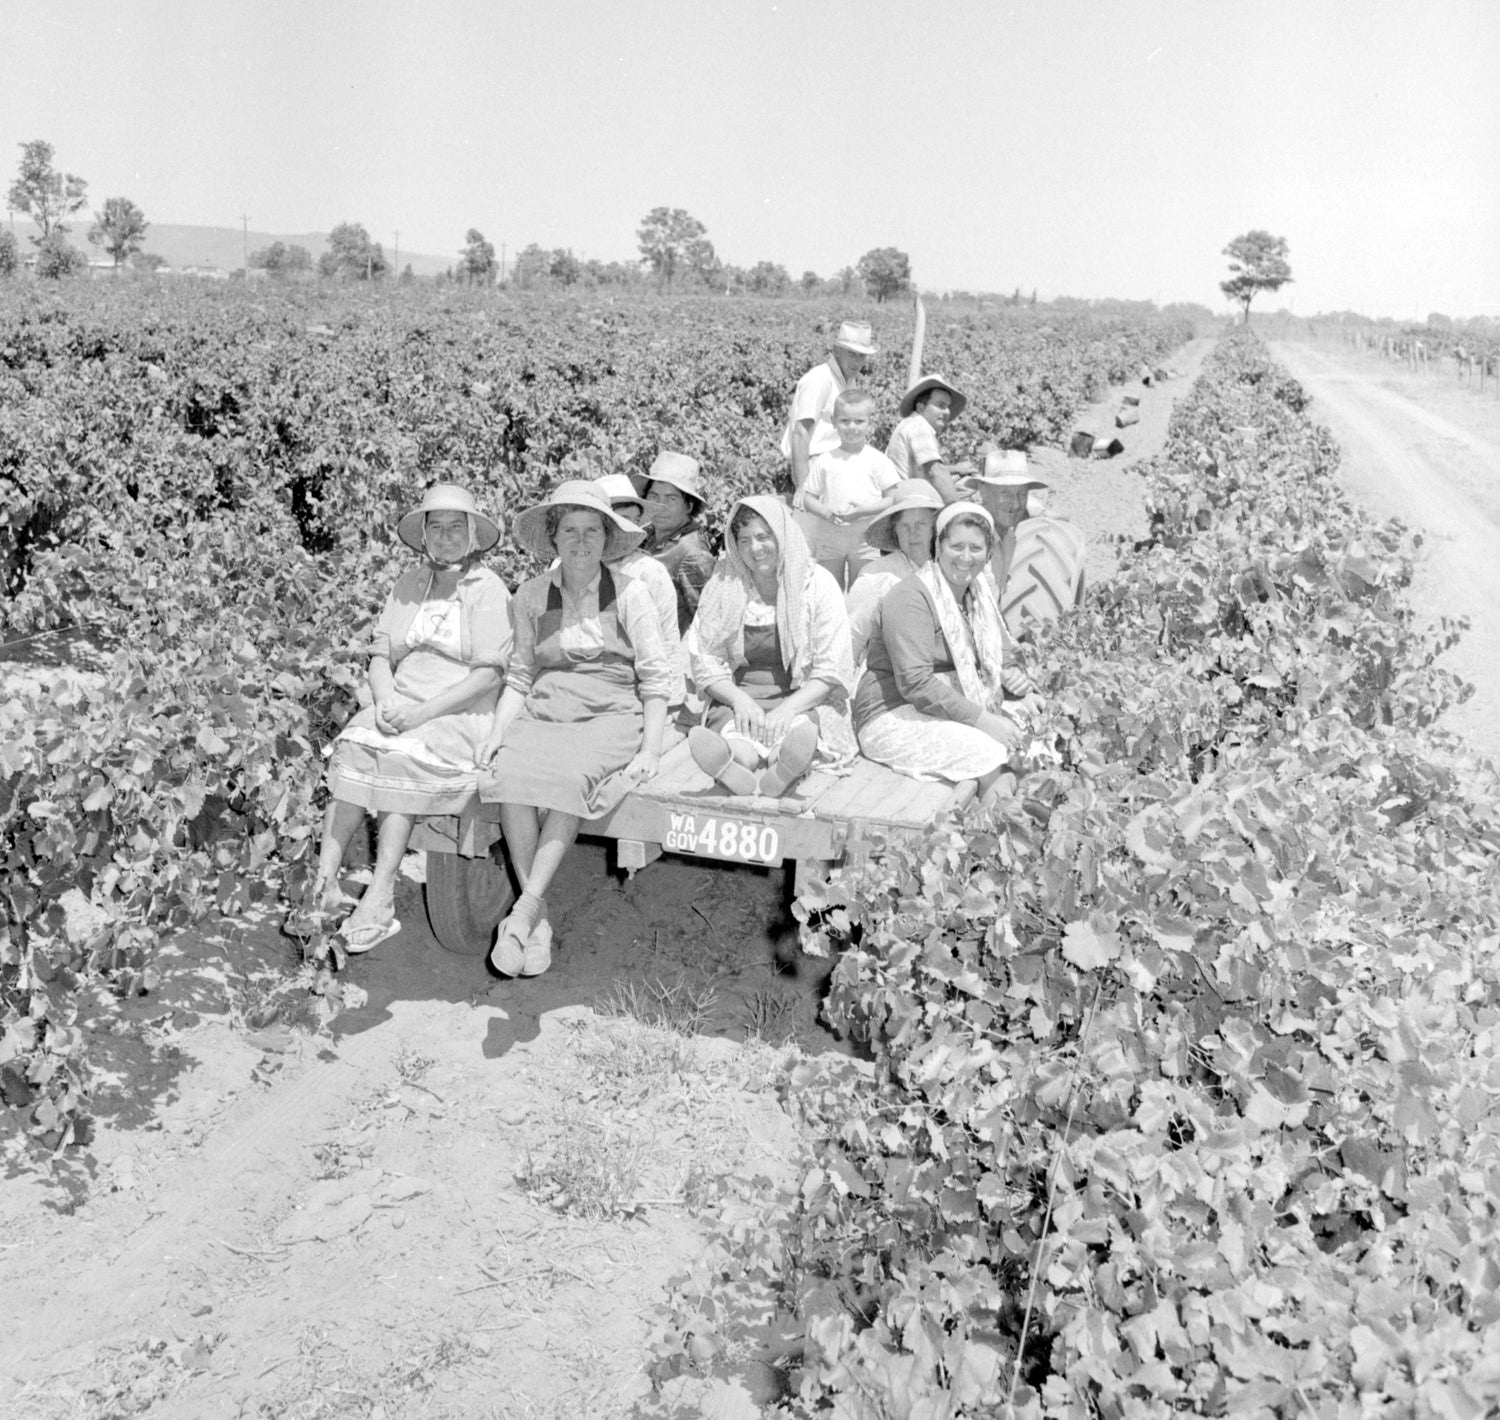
[432, 645]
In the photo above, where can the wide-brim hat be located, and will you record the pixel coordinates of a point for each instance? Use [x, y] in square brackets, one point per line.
[1005, 468]
[682, 472]
[448, 498]
[620, 535]
[858, 336]
[910, 493]
[932, 382]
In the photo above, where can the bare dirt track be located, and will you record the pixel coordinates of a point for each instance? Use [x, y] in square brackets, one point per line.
[1425, 449]
[459, 1197]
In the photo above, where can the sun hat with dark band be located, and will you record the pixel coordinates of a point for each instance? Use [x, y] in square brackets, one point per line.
[923, 386]
[911, 493]
[618, 488]
[858, 336]
[448, 498]
[620, 535]
[1005, 468]
[678, 470]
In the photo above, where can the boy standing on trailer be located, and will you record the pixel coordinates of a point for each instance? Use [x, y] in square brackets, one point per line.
[809, 426]
[846, 489]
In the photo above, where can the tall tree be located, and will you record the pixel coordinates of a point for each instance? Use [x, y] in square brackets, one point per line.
[1257, 262]
[44, 194]
[477, 260]
[120, 228]
[672, 241]
[885, 271]
[352, 256]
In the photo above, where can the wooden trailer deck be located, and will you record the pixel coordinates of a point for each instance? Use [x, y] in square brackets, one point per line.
[681, 810]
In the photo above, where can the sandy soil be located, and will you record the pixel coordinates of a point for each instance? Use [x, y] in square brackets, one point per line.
[458, 1196]
[1426, 449]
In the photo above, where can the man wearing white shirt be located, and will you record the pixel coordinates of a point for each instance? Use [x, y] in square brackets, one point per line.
[809, 426]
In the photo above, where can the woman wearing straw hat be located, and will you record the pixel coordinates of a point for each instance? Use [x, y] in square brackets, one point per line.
[929, 702]
[437, 656]
[770, 656]
[903, 533]
[584, 707]
[673, 490]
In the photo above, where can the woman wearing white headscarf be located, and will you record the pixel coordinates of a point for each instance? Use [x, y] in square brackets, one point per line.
[437, 656]
[771, 657]
[929, 704]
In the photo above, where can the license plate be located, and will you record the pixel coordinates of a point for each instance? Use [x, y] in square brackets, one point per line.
[714, 837]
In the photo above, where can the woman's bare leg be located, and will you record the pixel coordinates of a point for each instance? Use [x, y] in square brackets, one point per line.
[378, 904]
[340, 820]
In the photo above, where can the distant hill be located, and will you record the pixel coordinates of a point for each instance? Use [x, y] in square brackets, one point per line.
[224, 247]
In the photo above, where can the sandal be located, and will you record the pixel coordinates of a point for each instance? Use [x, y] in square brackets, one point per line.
[364, 935]
[714, 758]
[794, 757]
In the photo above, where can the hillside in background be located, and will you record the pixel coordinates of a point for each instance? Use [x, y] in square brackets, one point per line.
[224, 247]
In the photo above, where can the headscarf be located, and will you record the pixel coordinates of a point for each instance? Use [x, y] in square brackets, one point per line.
[974, 632]
[470, 552]
[811, 624]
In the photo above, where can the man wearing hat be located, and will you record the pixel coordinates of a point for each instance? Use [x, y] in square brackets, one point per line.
[927, 409]
[1050, 550]
[809, 426]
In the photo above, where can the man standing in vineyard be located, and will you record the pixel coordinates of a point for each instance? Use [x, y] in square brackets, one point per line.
[809, 427]
[927, 409]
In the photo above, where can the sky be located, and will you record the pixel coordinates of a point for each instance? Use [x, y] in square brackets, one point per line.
[1103, 149]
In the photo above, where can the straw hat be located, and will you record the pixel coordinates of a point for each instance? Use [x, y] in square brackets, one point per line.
[858, 336]
[932, 382]
[620, 536]
[679, 470]
[910, 493]
[1005, 468]
[448, 498]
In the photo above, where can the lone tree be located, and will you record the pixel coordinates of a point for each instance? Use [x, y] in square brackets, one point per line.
[477, 264]
[885, 271]
[351, 255]
[44, 194]
[120, 228]
[1257, 262]
[671, 241]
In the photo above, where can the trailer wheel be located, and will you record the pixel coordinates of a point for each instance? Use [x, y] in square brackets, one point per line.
[466, 898]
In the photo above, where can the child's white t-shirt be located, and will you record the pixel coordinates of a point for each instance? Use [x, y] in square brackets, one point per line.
[842, 479]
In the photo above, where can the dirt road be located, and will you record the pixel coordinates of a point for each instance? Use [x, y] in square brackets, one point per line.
[1425, 449]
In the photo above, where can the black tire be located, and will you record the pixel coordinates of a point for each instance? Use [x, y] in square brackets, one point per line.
[466, 898]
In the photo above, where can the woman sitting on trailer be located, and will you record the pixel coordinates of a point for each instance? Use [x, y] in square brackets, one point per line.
[771, 658]
[437, 656]
[584, 708]
[904, 534]
[929, 703]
